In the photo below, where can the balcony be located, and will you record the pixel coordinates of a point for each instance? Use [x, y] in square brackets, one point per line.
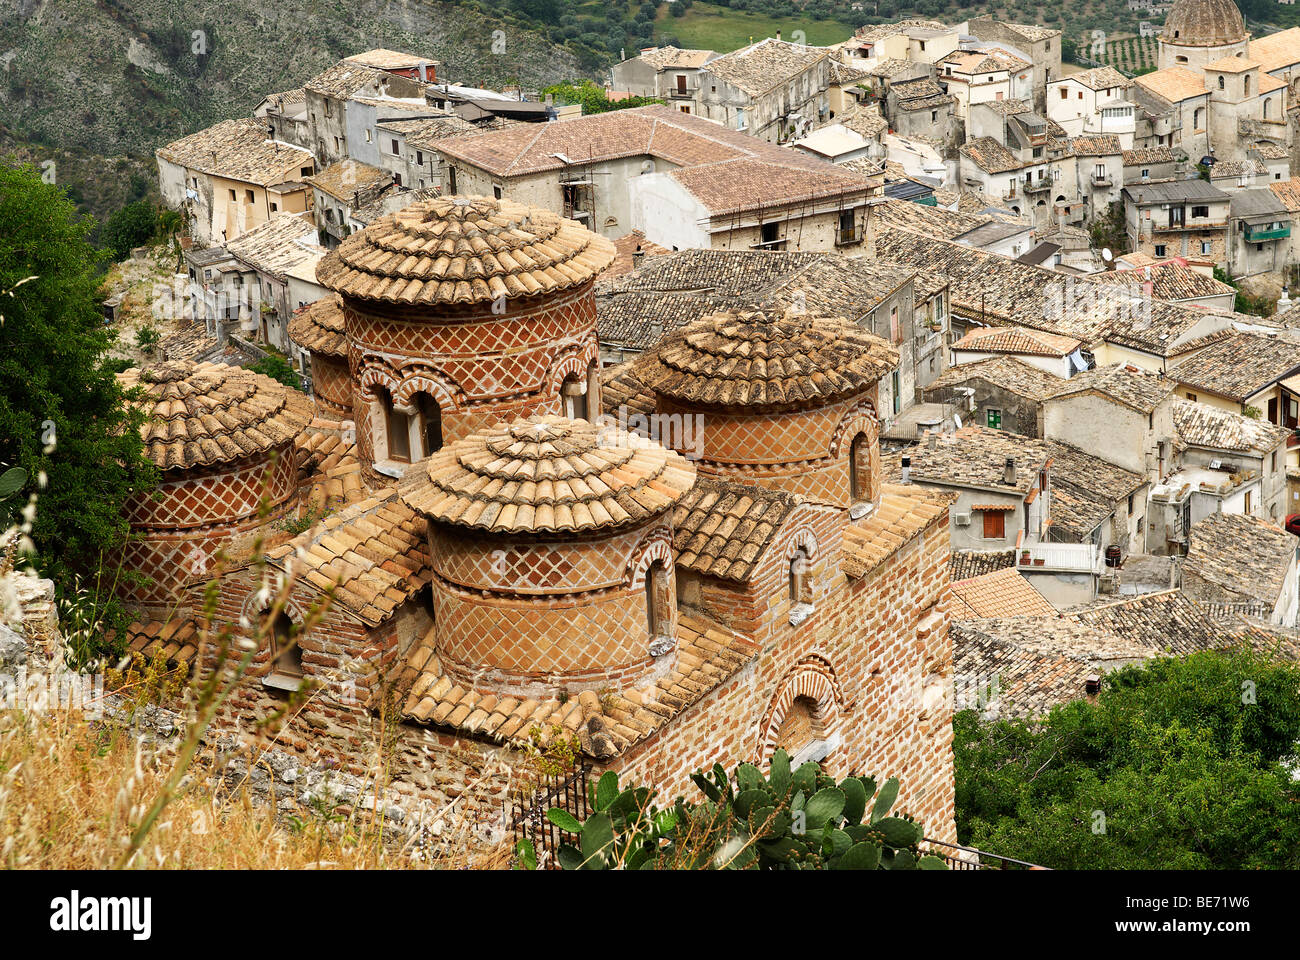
[1038, 186]
[1102, 181]
[683, 93]
[1189, 225]
[845, 238]
[1059, 557]
[1271, 233]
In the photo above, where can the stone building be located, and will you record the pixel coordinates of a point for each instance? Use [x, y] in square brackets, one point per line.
[1000, 392]
[221, 438]
[1199, 32]
[668, 603]
[771, 89]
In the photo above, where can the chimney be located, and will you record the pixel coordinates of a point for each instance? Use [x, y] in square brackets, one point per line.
[778, 35]
[1009, 471]
[637, 256]
[1092, 685]
[907, 470]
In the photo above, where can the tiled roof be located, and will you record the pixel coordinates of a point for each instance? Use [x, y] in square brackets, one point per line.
[1003, 593]
[864, 120]
[974, 62]
[201, 414]
[973, 563]
[625, 249]
[756, 359]
[1017, 340]
[1208, 23]
[285, 246]
[318, 327]
[343, 80]
[328, 466]
[1098, 145]
[920, 88]
[723, 529]
[904, 512]
[428, 131]
[373, 554]
[384, 59]
[1232, 65]
[1174, 84]
[1101, 78]
[1200, 425]
[1169, 281]
[758, 68]
[1244, 555]
[176, 640]
[1032, 31]
[663, 58]
[605, 725]
[239, 150]
[927, 220]
[1271, 151]
[725, 170]
[1125, 383]
[547, 474]
[1086, 490]
[1134, 158]
[1028, 665]
[622, 388]
[1006, 373]
[1168, 621]
[975, 456]
[465, 250]
[1239, 366]
[345, 178]
[1277, 50]
[990, 156]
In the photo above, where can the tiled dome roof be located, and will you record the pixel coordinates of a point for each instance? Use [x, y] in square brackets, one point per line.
[464, 250]
[318, 327]
[754, 359]
[547, 474]
[201, 414]
[1204, 23]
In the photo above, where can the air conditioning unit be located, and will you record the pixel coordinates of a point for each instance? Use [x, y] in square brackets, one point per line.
[961, 519]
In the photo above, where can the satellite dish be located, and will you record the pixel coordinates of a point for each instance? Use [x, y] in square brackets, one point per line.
[1107, 255]
[956, 421]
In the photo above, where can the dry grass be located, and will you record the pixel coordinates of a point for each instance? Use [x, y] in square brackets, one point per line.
[73, 793]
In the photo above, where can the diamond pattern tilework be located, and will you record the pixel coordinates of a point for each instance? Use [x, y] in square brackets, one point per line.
[216, 497]
[331, 385]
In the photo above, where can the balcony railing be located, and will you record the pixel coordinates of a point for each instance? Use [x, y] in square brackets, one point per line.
[1189, 225]
[1277, 233]
[1060, 557]
[958, 857]
[844, 238]
[768, 245]
[1102, 181]
[1038, 186]
[683, 93]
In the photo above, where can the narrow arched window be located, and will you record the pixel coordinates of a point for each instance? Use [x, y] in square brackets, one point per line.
[860, 469]
[430, 423]
[573, 391]
[657, 613]
[397, 429]
[286, 655]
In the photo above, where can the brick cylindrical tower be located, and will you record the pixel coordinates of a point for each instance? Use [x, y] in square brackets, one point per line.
[318, 329]
[778, 401]
[222, 438]
[461, 312]
[550, 540]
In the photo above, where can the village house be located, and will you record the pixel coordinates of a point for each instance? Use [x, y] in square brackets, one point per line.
[1244, 563]
[340, 189]
[624, 615]
[1259, 232]
[278, 275]
[772, 89]
[1001, 593]
[1093, 102]
[1177, 218]
[1149, 163]
[1244, 373]
[682, 181]
[1052, 353]
[231, 177]
[1100, 172]
[920, 41]
[286, 113]
[1025, 186]
[980, 76]
[921, 107]
[1001, 392]
[1173, 281]
[341, 104]
[1288, 192]
[1123, 413]
[903, 306]
[1096, 503]
[1038, 44]
[665, 73]
[1173, 111]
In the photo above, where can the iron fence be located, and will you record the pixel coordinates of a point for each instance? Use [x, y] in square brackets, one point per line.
[958, 857]
[527, 808]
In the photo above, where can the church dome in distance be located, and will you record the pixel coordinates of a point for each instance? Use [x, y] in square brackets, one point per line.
[1207, 23]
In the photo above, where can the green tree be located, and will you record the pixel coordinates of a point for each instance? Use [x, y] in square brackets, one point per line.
[277, 368]
[130, 226]
[62, 413]
[592, 97]
[1179, 764]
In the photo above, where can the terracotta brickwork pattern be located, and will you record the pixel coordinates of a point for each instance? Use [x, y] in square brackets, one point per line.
[331, 386]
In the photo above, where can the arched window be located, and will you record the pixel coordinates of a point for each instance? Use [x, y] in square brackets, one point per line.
[658, 612]
[1220, 81]
[860, 469]
[798, 577]
[286, 655]
[1268, 106]
[802, 734]
[1246, 84]
[397, 428]
[574, 393]
[430, 423]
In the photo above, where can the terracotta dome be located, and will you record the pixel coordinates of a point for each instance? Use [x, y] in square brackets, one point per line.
[1204, 23]
[462, 250]
[547, 474]
[757, 360]
[318, 327]
[202, 414]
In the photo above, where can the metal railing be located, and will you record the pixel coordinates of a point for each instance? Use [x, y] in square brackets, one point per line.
[958, 857]
[1070, 557]
[526, 812]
